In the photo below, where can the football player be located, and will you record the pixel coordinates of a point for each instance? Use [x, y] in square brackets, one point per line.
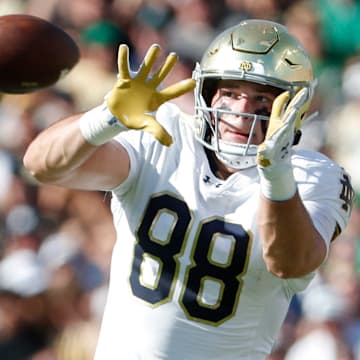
[220, 220]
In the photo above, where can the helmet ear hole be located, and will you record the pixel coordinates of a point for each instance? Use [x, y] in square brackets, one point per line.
[297, 137]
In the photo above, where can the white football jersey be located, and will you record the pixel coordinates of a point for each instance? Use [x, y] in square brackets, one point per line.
[188, 281]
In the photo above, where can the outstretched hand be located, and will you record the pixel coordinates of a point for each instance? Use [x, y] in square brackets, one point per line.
[277, 180]
[133, 99]
[285, 119]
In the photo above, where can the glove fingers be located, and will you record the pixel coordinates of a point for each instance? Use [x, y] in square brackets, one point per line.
[148, 61]
[300, 98]
[300, 103]
[177, 89]
[123, 62]
[275, 121]
[157, 130]
[279, 104]
[276, 149]
[168, 65]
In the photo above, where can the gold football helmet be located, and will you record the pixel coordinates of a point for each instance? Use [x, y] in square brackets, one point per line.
[258, 51]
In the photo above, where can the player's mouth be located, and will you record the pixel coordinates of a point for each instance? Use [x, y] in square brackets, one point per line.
[236, 136]
[235, 133]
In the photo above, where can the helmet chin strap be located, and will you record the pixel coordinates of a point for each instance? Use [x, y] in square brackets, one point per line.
[237, 162]
[229, 154]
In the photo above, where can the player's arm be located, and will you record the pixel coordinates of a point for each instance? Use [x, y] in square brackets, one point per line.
[292, 247]
[80, 152]
[60, 155]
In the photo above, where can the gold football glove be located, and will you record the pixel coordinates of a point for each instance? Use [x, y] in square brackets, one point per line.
[134, 98]
[284, 121]
[277, 180]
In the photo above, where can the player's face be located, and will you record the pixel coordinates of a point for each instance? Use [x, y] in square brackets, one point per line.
[242, 97]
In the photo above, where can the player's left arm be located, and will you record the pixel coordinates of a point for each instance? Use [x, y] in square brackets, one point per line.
[297, 233]
[292, 245]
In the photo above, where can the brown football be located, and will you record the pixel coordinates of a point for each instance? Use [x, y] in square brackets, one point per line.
[34, 53]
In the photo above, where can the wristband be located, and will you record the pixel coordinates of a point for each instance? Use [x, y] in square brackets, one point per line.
[99, 125]
[279, 184]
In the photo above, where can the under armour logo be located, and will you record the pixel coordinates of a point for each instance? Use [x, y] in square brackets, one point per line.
[285, 150]
[207, 180]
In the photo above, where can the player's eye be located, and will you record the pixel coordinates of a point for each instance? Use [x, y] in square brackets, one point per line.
[264, 99]
[227, 93]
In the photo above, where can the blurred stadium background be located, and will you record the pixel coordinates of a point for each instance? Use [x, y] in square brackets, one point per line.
[55, 244]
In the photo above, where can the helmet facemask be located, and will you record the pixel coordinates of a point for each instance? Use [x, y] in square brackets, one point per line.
[230, 57]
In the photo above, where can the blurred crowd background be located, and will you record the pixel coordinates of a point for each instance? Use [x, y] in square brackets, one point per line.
[55, 244]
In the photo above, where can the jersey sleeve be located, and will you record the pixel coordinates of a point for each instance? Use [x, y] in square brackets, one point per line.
[143, 149]
[326, 191]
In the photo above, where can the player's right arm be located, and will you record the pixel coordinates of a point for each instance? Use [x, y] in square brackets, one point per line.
[79, 152]
[60, 155]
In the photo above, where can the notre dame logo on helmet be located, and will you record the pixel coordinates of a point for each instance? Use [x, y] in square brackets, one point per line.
[246, 66]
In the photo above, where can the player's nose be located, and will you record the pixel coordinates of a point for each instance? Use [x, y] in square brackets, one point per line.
[243, 105]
